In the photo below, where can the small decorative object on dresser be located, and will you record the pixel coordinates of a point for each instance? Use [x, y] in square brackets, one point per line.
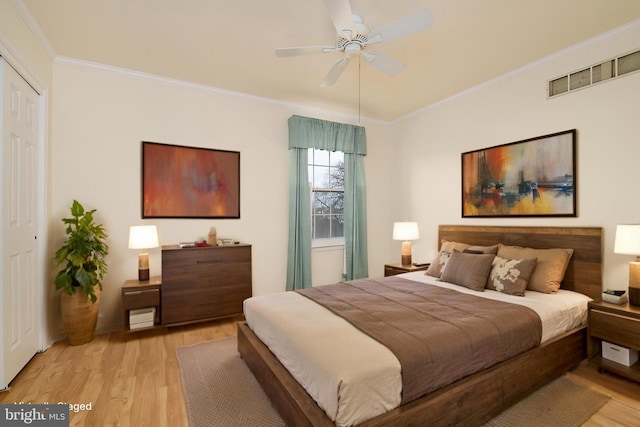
[212, 239]
[614, 338]
[615, 297]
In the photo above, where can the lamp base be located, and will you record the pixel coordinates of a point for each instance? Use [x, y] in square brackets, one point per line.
[405, 254]
[634, 283]
[634, 296]
[143, 267]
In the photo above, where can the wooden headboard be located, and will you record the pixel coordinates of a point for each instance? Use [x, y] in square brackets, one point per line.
[584, 273]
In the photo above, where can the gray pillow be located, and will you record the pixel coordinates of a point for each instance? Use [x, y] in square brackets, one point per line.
[468, 270]
[510, 276]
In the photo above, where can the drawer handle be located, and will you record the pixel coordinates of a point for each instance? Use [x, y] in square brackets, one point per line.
[604, 313]
[140, 292]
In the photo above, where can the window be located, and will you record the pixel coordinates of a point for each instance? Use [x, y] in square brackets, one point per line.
[326, 180]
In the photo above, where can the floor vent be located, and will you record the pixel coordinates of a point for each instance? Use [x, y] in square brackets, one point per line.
[607, 70]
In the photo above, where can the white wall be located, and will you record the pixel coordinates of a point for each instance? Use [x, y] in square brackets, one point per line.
[514, 108]
[100, 115]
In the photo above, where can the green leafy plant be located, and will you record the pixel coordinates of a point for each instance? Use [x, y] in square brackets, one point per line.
[84, 252]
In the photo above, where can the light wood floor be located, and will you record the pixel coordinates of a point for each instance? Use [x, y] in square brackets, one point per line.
[132, 379]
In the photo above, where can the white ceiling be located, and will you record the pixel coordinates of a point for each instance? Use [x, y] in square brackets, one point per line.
[229, 44]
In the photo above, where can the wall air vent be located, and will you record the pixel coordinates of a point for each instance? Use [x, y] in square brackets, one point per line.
[607, 70]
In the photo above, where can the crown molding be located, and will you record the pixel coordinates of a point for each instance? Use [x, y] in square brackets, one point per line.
[34, 28]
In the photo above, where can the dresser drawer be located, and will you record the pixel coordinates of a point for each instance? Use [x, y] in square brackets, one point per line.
[193, 263]
[140, 298]
[615, 328]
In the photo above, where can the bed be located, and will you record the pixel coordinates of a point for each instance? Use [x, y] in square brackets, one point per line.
[477, 397]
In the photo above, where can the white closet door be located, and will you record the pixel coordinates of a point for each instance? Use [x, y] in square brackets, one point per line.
[21, 314]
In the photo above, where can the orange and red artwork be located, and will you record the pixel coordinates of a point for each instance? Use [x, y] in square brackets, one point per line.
[534, 177]
[189, 182]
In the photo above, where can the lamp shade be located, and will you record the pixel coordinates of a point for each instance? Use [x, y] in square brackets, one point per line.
[405, 231]
[143, 237]
[627, 239]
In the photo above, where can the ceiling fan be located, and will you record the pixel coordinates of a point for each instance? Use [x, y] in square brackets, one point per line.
[353, 38]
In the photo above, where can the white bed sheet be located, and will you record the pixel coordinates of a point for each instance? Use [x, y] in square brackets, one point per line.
[351, 376]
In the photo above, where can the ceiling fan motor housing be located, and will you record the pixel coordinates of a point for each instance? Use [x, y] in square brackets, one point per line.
[352, 47]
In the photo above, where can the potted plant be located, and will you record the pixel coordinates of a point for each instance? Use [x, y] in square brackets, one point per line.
[83, 255]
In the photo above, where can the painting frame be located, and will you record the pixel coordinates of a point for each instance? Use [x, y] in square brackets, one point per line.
[181, 181]
[534, 177]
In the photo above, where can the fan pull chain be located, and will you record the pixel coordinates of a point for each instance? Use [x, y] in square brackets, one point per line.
[359, 80]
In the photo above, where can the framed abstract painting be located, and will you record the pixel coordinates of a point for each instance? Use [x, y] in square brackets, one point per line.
[189, 182]
[533, 177]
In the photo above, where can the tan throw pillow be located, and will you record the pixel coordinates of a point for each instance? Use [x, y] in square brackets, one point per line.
[468, 270]
[549, 270]
[493, 249]
[438, 263]
[510, 276]
[448, 246]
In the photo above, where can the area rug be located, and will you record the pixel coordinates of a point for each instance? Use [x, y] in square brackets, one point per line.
[561, 403]
[219, 390]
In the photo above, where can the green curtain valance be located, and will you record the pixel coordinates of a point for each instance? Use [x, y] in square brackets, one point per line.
[307, 132]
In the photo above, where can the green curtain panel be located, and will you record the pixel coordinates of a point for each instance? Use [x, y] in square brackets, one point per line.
[299, 252]
[305, 133]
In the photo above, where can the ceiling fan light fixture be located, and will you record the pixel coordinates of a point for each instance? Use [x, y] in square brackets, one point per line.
[352, 49]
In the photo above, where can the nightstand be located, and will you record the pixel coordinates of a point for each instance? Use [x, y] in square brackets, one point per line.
[138, 294]
[617, 324]
[397, 268]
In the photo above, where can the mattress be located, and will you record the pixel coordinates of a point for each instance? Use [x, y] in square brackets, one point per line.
[351, 376]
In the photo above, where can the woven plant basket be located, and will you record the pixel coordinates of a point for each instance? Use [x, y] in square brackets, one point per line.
[79, 316]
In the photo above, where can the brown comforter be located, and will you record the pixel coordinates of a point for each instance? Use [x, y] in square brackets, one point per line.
[439, 335]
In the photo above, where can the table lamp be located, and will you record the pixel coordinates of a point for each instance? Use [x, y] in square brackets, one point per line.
[405, 231]
[628, 243]
[143, 237]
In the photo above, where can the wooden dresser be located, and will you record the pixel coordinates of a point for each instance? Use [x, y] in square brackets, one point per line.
[204, 283]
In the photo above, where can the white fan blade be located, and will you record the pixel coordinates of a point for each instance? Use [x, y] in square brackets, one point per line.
[383, 63]
[418, 21]
[335, 72]
[342, 17]
[303, 50]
